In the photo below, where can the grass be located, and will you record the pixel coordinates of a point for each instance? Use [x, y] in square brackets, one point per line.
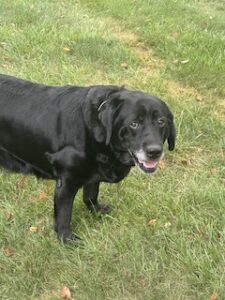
[178, 31]
[142, 44]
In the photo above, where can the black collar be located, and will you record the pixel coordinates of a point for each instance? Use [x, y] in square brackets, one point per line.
[101, 105]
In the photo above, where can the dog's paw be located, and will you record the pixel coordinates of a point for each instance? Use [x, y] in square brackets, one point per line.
[68, 238]
[100, 208]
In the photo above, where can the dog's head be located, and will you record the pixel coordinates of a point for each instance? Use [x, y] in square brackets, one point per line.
[134, 124]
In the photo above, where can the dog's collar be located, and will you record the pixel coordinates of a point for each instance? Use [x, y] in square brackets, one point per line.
[101, 105]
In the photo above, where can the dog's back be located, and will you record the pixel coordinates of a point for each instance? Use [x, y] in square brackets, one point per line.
[27, 118]
[34, 119]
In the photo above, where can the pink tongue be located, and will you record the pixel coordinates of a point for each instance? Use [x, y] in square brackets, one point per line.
[149, 164]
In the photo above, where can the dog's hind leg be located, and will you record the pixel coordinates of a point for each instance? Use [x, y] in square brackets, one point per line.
[90, 197]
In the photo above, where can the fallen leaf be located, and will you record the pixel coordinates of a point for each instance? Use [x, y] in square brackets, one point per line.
[152, 222]
[42, 196]
[6, 66]
[183, 62]
[66, 49]
[3, 44]
[176, 61]
[199, 98]
[214, 296]
[33, 229]
[8, 252]
[65, 293]
[124, 65]
[162, 164]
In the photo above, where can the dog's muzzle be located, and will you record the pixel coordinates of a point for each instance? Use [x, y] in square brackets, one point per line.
[147, 162]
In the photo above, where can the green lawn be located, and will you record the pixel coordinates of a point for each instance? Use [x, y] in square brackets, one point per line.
[175, 50]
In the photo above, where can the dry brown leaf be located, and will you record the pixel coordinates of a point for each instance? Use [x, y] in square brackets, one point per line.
[152, 222]
[65, 293]
[42, 196]
[162, 164]
[214, 296]
[8, 251]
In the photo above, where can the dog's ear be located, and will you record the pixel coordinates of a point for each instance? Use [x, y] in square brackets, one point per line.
[171, 137]
[106, 115]
[99, 109]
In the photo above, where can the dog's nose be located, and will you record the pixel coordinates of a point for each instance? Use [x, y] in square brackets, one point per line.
[154, 151]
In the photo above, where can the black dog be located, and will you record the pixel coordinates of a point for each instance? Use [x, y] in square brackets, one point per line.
[80, 136]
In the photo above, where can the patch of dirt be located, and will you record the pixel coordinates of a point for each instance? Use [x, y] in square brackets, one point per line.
[127, 37]
[119, 33]
[150, 64]
[182, 92]
[219, 111]
[145, 54]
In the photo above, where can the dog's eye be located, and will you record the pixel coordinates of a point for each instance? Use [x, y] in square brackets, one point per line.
[134, 125]
[161, 122]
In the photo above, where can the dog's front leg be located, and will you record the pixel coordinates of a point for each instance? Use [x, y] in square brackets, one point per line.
[65, 192]
[90, 197]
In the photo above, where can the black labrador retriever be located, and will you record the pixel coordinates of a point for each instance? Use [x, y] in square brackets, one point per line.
[80, 136]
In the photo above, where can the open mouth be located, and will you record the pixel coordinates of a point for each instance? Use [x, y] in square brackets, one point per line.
[147, 166]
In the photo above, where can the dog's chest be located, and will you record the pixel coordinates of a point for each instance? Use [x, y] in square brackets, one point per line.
[109, 169]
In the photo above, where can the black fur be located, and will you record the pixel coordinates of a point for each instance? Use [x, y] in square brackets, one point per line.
[79, 137]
